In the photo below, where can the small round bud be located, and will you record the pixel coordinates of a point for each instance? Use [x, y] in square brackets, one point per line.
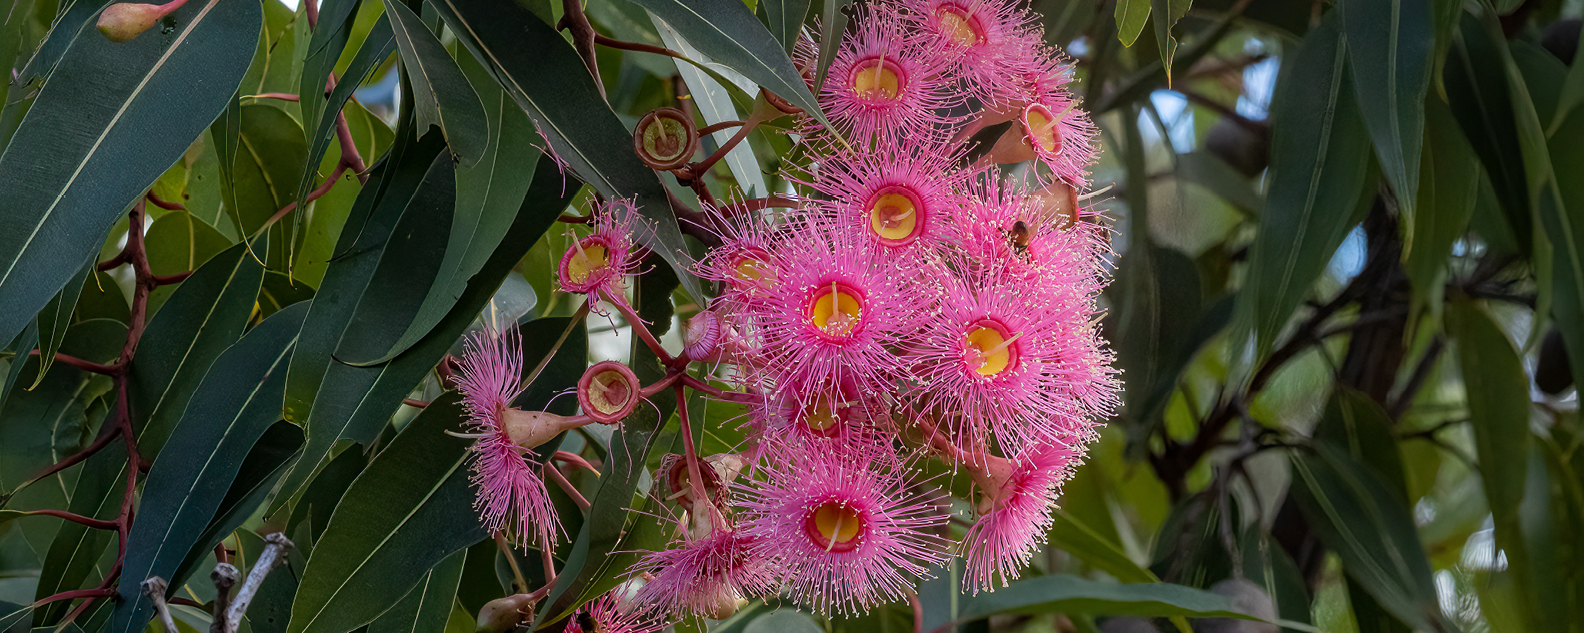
[124, 22]
[665, 139]
[702, 336]
[608, 392]
[531, 429]
[505, 614]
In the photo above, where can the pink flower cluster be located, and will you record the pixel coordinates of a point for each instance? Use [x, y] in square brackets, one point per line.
[920, 301]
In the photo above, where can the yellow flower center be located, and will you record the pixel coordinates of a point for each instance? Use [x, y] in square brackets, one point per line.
[1042, 129]
[589, 259]
[834, 527]
[823, 417]
[835, 310]
[894, 216]
[958, 26]
[988, 349]
[877, 79]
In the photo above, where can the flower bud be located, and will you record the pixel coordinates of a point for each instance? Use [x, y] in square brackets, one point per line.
[608, 392]
[665, 139]
[505, 614]
[530, 429]
[124, 22]
[1060, 202]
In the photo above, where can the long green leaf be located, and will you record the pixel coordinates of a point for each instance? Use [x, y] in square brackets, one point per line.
[442, 96]
[254, 481]
[1072, 594]
[75, 551]
[112, 119]
[238, 400]
[1498, 401]
[714, 103]
[1477, 90]
[785, 19]
[356, 402]
[1081, 541]
[428, 606]
[728, 32]
[1390, 44]
[546, 78]
[487, 197]
[1449, 184]
[1353, 512]
[408, 511]
[833, 22]
[1320, 169]
[321, 111]
[54, 319]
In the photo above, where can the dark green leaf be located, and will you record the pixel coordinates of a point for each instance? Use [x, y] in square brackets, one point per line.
[256, 182]
[1353, 512]
[728, 33]
[408, 263]
[1562, 215]
[238, 400]
[1167, 13]
[833, 22]
[442, 96]
[1358, 426]
[74, 554]
[177, 243]
[53, 321]
[428, 606]
[1081, 541]
[547, 79]
[321, 111]
[262, 467]
[67, 26]
[1449, 183]
[1390, 44]
[1071, 594]
[408, 511]
[18, 357]
[1477, 90]
[356, 402]
[112, 119]
[785, 18]
[487, 197]
[1498, 401]
[200, 320]
[1319, 175]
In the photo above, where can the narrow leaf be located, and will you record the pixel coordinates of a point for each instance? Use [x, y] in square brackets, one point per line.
[113, 118]
[1449, 184]
[238, 400]
[1498, 401]
[1072, 594]
[442, 96]
[408, 511]
[546, 78]
[1130, 18]
[1320, 169]
[1390, 44]
[785, 18]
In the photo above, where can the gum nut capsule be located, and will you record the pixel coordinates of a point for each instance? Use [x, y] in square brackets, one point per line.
[608, 392]
[665, 139]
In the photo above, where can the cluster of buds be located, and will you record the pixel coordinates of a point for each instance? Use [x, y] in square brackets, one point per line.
[916, 301]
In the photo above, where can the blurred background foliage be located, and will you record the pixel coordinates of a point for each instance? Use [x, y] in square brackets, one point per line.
[1348, 243]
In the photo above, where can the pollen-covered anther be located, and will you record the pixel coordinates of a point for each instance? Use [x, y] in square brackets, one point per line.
[835, 310]
[989, 349]
[835, 526]
[895, 216]
[608, 392]
[878, 79]
[665, 139]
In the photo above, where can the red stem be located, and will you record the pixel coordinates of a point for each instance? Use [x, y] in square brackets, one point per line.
[761, 203]
[718, 393]
[85, 365]
[575, 460]
[635, 46]
[283, 96]
[75, 458]
[566, 486]
[163, 204]
[698, 169]
[713, 128]
[417, 404]
[695, 477]
[96, 524]
[640, 328]
[73, 595]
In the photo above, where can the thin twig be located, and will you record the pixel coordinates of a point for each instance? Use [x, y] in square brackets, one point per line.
[567, 487]
[275, 547]
[224, 577]
[154, 588]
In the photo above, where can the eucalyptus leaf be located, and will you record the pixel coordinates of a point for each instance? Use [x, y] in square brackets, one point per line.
[1390, 44]
[113, 118]
[441, 94]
